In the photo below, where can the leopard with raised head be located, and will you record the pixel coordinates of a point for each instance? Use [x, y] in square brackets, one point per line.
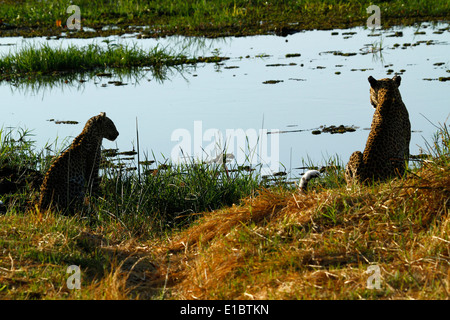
[75, 173]
[387, 147]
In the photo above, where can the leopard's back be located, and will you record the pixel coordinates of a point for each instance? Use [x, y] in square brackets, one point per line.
[387, 147]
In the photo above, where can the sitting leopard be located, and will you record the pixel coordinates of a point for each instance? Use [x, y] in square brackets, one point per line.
[387, 147]
[75, 172]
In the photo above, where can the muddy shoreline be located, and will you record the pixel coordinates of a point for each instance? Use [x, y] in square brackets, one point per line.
[208, 30]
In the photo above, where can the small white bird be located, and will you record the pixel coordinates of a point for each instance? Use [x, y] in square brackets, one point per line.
[308, 175]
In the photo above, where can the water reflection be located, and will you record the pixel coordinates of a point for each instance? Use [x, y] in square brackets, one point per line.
[77, 81]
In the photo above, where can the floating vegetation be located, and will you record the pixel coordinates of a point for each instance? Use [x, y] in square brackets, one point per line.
[396, 34]
[272, 81]
[287, 131]
[281, 64]
[325, 129]
[363, 69]
[47, 65]
[344, 54]
[292, 55]
[334, 129]
[127, 153]
[442, 79]
[147, 162]
[117, 83]
[110, 152]
[104, 74]
[63, 122]
[263, 55]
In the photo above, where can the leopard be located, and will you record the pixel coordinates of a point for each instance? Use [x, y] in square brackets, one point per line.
[387, 148]
[75, 173]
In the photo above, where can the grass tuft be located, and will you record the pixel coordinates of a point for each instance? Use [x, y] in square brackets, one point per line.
[43, 63]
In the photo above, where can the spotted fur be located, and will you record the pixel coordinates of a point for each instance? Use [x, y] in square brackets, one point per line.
[74, 173]
[387, 147]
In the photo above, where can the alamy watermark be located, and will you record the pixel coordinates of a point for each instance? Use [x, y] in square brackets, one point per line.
[251, 146]
[374, 280]
[374, 21]
[74, 280]
[74, 21]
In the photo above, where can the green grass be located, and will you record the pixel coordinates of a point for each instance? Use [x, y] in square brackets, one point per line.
[36, 62]
[214, 18]
[168, 195]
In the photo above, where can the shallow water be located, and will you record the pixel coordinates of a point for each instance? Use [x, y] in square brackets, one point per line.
[193, 107]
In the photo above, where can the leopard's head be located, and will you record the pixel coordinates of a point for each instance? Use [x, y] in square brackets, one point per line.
[108, 129]
[379, 88]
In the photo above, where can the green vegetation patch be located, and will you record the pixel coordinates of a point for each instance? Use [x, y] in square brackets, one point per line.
[37, 61]
[210, 18]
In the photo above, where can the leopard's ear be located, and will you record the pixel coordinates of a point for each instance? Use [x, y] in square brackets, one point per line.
[397, 80]
[102, 114]
[373, 82]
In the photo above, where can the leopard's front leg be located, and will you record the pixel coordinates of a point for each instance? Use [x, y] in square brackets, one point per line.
[354, 170]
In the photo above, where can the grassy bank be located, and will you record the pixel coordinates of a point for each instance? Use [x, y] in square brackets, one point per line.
[275, 243]
[211, 18]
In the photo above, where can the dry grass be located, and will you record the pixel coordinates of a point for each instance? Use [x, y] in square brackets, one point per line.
[283, 245]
